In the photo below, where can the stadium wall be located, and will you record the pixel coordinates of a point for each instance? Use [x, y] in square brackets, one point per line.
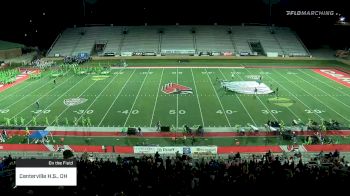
[197, 57]
[10, 53]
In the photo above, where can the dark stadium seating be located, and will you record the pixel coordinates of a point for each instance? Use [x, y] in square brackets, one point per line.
[182, 175]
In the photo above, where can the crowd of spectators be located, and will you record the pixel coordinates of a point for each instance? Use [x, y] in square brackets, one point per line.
[42, 64]
[81, 58]
[183, 175]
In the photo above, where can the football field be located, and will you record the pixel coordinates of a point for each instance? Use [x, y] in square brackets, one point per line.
[175, 96]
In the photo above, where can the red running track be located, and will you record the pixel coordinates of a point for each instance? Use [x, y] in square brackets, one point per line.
[172, 134]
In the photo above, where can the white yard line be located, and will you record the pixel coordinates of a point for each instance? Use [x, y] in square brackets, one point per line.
[49, 83]
[262, 101]
[98, 96]
[199, 104]
[19, 89]
[31, 105]
[295, 97]
[155, 102]
[324, 83]
[110, 107]
[326, 105]
[137, 96]
[222, 107]
[58, 98]
[325, 91]
[78, 97]
[177, 100]
[251, 118]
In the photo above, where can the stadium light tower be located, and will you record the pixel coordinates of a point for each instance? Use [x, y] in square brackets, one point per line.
[270, 3]
[84, 8]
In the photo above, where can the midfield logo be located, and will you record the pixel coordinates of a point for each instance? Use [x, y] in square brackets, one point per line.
[173, 88]
[74, 101]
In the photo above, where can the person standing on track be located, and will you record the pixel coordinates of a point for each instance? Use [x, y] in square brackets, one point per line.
[158, 126]
[139, 129]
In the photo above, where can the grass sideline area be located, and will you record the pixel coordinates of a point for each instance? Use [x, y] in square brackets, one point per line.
[180, 141]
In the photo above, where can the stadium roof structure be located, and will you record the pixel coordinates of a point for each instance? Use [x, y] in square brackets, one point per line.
[5, 45]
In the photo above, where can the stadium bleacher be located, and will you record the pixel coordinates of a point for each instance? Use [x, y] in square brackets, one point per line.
[180, 40]
[141, 39]
[177, 40]
[113, 36]
[183, 175]
[209, 39]
[290, 43]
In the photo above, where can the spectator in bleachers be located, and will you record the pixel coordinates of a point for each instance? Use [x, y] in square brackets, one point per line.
[182, 175]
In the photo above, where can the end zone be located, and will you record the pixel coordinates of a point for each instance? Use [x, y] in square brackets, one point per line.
[335, 75]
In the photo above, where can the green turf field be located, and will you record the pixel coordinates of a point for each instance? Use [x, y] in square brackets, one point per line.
[133, 97]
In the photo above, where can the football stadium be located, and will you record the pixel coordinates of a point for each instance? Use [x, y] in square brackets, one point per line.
[150, 105]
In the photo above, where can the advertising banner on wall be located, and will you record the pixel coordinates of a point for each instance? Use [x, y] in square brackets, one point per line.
[173, 149]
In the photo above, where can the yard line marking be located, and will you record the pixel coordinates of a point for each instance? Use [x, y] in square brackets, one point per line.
[177, 100]
[155, 102]
[262, 101]
[110, 107]
[251, 118]
[31, 105]
[326, 93]
[58, 98]
[295, 97]
[344, 94]
[33, 92]
[19, 89]
[78, 96]
[98, 96]
[326, 105]
[137, 96]
[218, 97]
[200, 108]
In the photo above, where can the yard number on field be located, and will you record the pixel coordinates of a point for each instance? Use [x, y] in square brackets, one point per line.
[271, 111]
[227, 112]
[174, 111]
[41, 111]
[4, 111]
[127, 112]
[314, 111]
[207, 72]
[83, 111]
[147, 72]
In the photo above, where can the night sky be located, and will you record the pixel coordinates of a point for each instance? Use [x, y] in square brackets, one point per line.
[41, 21]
